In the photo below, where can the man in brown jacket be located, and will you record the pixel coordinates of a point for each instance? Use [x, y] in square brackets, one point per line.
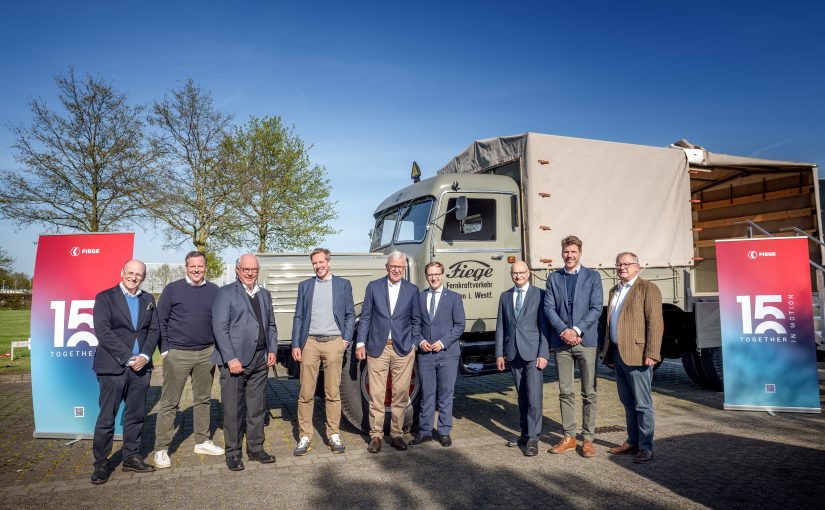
[632, 343]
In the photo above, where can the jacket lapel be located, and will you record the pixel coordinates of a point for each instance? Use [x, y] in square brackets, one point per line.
[120, 303]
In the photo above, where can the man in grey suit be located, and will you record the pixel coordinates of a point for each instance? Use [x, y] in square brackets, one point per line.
[322, 329]
[442, 323]
[572, 307]
[521, 339]
[390, 329]
[246, 341]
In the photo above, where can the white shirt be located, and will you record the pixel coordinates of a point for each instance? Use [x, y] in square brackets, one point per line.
[393, 289]
[523, 294]
[252, 292]
[190, 282]
[437, 300]
[622, 290]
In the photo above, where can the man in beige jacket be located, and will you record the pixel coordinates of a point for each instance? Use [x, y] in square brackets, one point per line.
[632, 343]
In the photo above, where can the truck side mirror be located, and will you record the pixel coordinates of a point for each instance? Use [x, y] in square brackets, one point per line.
[460, 208]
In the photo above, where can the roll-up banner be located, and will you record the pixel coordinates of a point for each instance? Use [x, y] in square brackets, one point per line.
[766, 306]
[70, 269]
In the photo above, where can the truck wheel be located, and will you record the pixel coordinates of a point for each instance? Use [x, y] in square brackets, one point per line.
[355, 396]
[693, 367]
[712, 365]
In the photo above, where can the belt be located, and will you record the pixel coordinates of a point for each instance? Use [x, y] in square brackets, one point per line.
[324, 338]
[389, 341]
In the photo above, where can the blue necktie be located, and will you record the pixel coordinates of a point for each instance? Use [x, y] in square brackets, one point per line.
[519, 301]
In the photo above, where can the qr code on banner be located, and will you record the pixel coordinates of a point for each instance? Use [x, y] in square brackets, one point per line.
[79, 412]
[770, 388]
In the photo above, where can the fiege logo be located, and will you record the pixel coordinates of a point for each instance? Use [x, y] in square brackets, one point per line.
[77, 251]
[753, 254]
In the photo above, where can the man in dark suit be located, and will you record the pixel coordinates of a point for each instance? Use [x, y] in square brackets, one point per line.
[390, 329]
[127, 332]
[632, 344]
[246, 341]
[572, 306]
[521, 339]
[442, 323]
[322, 329]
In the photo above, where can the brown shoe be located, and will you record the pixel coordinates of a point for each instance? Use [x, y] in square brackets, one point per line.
[398, 443]
[565, 445]
[588, 450]
[375, 445]
[624, 449]
[644, 456]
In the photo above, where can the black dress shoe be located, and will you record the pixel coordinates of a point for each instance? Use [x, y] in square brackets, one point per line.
[521, 442]
[532, 448]
[136, 464]
[261, 456]
[398, 443]
[100, 474]
[417, 440]
[234, 463]
[446, 441]
[375, 445]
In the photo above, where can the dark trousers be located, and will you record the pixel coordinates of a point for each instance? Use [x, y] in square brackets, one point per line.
[530, 387]
[634, 386]
[130, 387]
[437, 374]
[250, 387]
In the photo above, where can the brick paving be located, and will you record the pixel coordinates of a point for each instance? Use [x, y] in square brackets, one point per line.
[705, 458]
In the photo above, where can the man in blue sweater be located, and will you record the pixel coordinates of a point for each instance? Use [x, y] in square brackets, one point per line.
[186, 345]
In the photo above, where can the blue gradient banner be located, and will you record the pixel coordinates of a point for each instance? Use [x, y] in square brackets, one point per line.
[69, 271]
[768, 344]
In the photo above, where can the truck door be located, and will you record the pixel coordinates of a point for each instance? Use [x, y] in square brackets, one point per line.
[475, 250]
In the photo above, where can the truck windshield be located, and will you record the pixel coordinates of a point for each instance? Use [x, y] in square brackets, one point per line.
[405, 224]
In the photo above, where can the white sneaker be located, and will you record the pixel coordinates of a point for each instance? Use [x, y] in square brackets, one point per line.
[335, 444]
[162, 459]
[302, 448]
[208, 448]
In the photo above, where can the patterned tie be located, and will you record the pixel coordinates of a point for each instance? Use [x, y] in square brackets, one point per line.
[432, 305]
[519, 301]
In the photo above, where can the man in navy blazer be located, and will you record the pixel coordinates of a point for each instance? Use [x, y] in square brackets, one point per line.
[246, 341]
[390, 329]
[322, 330]
[521, 339]
[126, 327]
[572, 305]
[442, 323]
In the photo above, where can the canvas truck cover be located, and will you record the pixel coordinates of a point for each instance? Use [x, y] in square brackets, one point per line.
[614, 196]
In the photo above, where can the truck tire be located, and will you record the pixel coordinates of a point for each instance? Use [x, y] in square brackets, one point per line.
[712, 365]
[354, 397]
[693, 367]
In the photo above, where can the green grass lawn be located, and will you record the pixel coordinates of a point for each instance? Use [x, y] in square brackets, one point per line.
[14, 325]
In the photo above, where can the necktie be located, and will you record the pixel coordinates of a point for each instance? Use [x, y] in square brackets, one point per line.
[136, 348]
[519, 301]
[432, 305]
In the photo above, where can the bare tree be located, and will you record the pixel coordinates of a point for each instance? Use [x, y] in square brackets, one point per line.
[191, 193]
[84, 164]
[286, 203]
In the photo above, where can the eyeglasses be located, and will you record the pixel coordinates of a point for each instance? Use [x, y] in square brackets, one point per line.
[626, 264]
[249, 270]
[135, 276]
[435, 275]
[396, 268]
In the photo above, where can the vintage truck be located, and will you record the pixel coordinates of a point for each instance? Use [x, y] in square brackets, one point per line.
[515, 197]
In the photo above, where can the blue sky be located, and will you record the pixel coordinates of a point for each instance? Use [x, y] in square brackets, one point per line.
[376, 85]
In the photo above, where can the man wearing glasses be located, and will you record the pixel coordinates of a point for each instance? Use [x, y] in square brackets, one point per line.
[390, 329]
[521, 339]
[632, 343]
[126, 326]
[246, 341]
[442, 323]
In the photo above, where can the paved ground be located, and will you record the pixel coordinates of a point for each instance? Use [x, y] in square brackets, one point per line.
[705, 458]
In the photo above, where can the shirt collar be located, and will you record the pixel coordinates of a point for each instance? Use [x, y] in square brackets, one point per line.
[438, 290]
[126, 292]
[397, 284]
[574, 271]
[252, 292]
[627, 285]
[526, 286]
[328, 278]
[190, 282]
